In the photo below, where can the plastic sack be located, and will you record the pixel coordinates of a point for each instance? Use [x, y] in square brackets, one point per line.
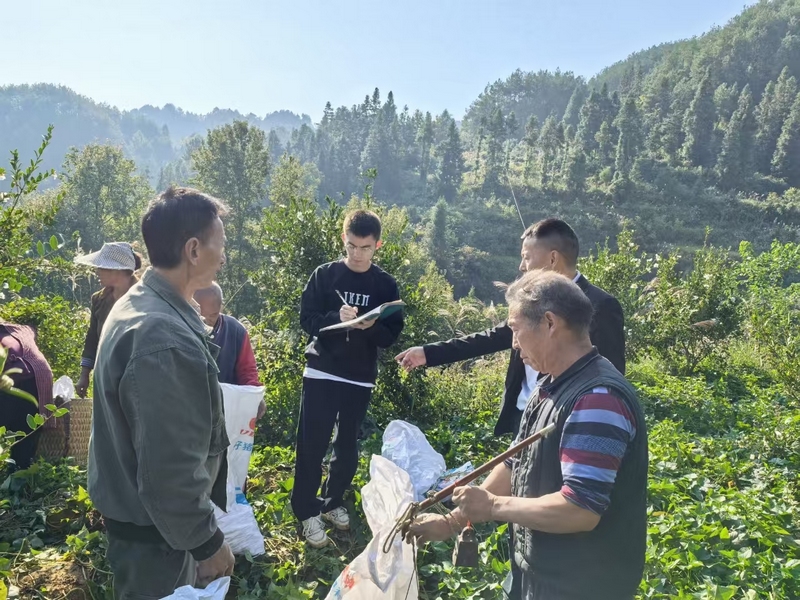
[239, 523]
[450, 476]
[64, 387]
[374, 573]
[215, 590]
[407, 447]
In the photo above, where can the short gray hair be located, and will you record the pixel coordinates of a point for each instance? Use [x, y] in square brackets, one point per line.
[538, 292]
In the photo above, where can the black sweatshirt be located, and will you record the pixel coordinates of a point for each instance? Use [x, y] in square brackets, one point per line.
[351, 355]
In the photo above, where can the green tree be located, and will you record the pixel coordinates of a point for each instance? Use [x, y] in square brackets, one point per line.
[575, 170]
[438, 243]
[378, 154]
[657, 109]
[104, 197]
[531, 139]
[425, 139]
[699, 125]
[786, 162]
[605, 144]
[770, 115]
[733, 164]
[495, 154]
[275, 146]
[591, 119]
[549, 146]
[451, 166]
[233, 164]
[572, 114]
[629, 125]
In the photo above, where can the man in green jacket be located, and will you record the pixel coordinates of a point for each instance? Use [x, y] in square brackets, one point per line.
[157, 457]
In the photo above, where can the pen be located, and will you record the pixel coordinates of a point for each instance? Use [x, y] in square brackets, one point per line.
[338, 293]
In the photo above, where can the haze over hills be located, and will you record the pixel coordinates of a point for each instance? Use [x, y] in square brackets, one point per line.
[675, 138]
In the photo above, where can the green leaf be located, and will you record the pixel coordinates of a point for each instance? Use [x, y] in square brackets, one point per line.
[50, 407]
[53, 242]
[40, 248]
[60, 412]
[31, 421]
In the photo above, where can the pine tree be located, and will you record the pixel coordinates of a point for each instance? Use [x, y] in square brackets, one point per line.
[438, 245]
[495, 154]
[530, 140]
[591, 118]
[605, 144]
[511, 126]
[657, 109]
[733, 164]
[575, 170]
[572, 115]
[275, 147]
[451, 166]
[425, 139]
[699, 124]
[629, 125]
[548, 146]
[771, 114]
[786, 162]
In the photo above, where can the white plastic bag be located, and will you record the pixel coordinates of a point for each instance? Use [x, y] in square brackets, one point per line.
[239, 523]
[65, 388]
[373, 573]
[215, 590]
[407, 447]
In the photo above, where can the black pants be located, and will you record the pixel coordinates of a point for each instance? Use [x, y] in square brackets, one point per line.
[326, 404]
[14, 413]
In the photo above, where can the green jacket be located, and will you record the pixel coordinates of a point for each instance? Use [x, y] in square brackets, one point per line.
[157, 456]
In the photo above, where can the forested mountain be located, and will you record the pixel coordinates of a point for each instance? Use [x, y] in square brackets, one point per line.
[677, 138]
[183, 124]
[149, 135]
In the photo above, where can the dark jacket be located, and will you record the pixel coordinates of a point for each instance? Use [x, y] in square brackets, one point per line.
[353, 354]
[606, 333]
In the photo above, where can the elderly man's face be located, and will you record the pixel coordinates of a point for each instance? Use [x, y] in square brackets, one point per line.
[210, 308]
[531, 339]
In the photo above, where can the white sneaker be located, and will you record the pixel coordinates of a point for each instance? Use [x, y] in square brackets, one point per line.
[314, 532]
[338, 517]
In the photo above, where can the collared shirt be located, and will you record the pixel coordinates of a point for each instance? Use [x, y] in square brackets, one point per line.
[532, 375]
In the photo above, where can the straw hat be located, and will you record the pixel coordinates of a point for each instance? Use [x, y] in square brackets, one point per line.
[116, 256]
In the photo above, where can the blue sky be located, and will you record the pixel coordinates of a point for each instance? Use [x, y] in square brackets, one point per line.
[262, 55]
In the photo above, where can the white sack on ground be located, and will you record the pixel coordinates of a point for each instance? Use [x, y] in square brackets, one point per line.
[373, 573]
[407, 447]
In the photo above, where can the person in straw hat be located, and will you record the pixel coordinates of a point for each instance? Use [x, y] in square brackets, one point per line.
[114, 264]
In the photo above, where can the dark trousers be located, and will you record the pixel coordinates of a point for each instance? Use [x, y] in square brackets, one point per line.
[14, 413]
[325, 405]
[148, 570]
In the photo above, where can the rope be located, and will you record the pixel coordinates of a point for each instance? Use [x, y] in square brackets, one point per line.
[400, 526]
[514, 196]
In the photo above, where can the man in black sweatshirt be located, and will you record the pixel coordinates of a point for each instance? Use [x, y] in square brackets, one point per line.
[551, 245]
[341, 368]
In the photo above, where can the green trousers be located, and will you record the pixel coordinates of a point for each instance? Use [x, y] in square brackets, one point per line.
[148, 570]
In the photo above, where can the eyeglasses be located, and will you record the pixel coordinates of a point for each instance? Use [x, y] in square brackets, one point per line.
[353, 249]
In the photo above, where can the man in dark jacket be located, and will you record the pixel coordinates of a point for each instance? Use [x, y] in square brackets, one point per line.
[551, 245]
[576, 500]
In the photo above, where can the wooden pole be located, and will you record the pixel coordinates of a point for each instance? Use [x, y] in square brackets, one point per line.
[486, 467]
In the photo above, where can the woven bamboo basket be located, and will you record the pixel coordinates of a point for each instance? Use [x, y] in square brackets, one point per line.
[71, 435]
